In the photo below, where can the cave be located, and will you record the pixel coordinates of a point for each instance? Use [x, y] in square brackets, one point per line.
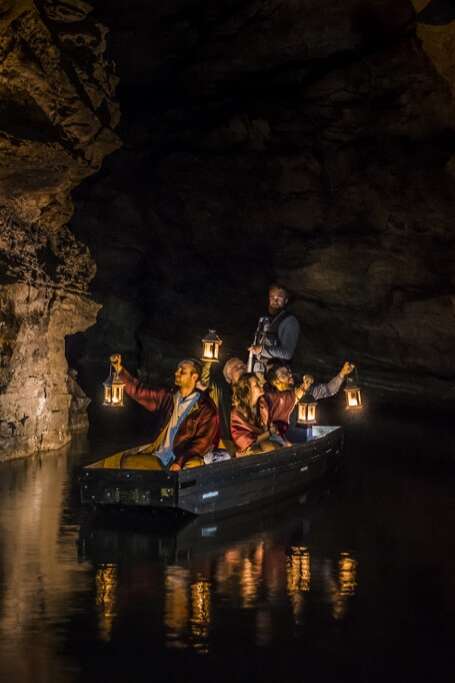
[162, 166]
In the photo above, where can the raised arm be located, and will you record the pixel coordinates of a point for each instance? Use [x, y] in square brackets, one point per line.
[151, 399]
[332, 387]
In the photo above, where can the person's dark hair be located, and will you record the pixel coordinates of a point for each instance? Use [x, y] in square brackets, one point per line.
[278, 285]
[272, 370]
[241, 394]
[197, 365]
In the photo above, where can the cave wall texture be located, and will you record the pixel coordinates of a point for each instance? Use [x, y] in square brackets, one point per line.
[57, 116]
[310, 141]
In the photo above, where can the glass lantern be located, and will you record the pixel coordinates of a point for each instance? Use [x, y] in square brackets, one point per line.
[353, 393]
[211, 347]
[113, 391]
[306, 411]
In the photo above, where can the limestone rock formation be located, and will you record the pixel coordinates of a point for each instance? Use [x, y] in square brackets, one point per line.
[307, 141]
[57, 116]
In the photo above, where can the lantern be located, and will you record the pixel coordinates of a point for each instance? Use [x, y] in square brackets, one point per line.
[211, 347]
[353, 393]
[113, 391]
[306, 414]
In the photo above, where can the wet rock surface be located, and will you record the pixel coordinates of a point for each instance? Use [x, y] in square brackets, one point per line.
[57, 116]
[307, 142]
[310, 142]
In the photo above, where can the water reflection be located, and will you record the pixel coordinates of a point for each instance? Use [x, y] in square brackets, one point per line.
[39, 578]
[301, 578]
[106, 580]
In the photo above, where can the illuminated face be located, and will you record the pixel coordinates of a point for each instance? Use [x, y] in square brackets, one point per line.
[256, 390]
[284, 379]
[236, 372]
[277, 300]
[185, 376]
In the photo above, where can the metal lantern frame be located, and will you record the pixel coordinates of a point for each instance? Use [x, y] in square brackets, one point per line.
[211, 347]
[307, 411]
[114, 390]
[353, 392]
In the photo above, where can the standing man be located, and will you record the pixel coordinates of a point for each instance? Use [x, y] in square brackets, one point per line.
[277, 333]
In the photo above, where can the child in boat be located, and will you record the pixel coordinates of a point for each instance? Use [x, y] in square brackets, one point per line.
[249, 419]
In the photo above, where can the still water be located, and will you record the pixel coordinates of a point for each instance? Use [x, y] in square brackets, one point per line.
[355, 582]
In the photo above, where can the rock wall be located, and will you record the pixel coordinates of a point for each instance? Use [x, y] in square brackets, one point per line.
[57, 116]
[311, 142]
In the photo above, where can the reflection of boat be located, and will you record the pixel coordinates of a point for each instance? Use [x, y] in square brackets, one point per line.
[127, 480]
[126, 538]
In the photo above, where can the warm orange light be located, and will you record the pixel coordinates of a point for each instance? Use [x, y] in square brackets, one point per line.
[306, 414]
[211, 347]
[113, 391]
[353, 393]
[353, 398]
[200, 614]
[106, 586]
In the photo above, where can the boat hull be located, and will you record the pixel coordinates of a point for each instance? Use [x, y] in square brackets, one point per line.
[219, 487]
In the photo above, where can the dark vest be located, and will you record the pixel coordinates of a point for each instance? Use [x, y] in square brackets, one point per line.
[268, 327]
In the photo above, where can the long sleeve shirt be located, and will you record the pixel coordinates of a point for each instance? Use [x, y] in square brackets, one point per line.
[197, 430]
[319, 391]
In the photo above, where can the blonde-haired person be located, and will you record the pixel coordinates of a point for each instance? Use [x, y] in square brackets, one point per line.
[249, 421]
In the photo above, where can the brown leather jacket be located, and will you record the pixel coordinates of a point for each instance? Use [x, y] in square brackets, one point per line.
[198, 432]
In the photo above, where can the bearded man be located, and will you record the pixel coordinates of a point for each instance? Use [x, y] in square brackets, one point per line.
[277, 333]
[188, 418]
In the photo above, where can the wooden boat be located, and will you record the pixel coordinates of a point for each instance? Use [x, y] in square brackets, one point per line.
[125, 480]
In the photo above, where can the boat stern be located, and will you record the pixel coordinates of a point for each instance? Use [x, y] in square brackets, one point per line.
[108, 482]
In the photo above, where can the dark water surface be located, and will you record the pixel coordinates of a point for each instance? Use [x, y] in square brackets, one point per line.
[352, 583]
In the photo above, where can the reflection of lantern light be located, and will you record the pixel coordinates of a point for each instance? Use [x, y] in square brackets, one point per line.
[347, 568]
[353, 393]
[113, 391]
[200, 614]
[211, 347]
[298, 570]
[307, 407]
[298, 579]
[176, 611]
[347, 585]
[106, 586]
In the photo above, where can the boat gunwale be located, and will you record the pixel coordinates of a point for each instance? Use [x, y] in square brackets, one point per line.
[239, 464]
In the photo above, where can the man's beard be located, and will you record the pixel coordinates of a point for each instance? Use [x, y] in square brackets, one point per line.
[273, 310]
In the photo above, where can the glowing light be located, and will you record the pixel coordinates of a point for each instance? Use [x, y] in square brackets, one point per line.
[306, 414]
[211, 347]
[347, 585]
[113, 391]
[200, 614]
[176, 606]
[353, 393]
[106, 586]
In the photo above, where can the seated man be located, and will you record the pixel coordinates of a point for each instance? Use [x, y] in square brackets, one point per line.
[281, 396]
[189, 422]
